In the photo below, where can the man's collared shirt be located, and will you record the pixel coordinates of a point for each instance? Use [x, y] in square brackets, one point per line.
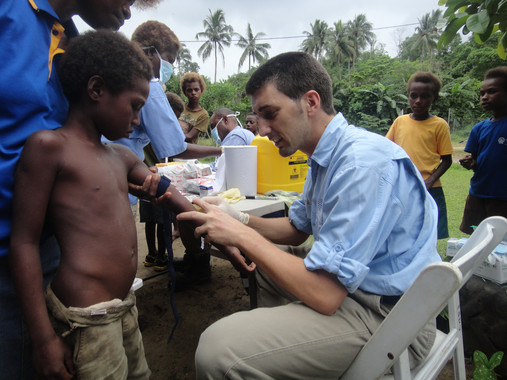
[374, 223]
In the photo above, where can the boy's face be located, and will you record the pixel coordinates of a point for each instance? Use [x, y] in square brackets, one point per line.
[117, 114]
[108, 14]
[421, 97]
[193, 91]
[251, 124]
[493, 95]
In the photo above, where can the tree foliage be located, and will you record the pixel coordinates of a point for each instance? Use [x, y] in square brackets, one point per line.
[315, 42]
[369, 87]
[483, 18]
[254, 50]
[217, 34]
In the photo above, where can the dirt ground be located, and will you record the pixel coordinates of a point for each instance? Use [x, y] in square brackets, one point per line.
[198, 308]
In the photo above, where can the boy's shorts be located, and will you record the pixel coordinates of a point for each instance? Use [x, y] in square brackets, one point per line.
[438, 195]
[105, 338]
[477, 209]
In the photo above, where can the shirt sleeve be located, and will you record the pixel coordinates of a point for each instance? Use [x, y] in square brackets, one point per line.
[392, 131]
[444, 144]
[472, 142]
[161, 124]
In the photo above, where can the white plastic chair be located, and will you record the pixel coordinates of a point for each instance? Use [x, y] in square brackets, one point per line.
[436, 286]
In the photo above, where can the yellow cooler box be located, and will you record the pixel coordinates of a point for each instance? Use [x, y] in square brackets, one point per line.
[275, 172]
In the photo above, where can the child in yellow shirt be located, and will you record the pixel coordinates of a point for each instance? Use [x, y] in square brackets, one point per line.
[426, 139]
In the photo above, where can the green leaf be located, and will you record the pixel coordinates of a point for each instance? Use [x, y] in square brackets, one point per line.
[480, 359]
[451, 31]
[477, 39]
[500, 49]
[478, 23]
[496, 359]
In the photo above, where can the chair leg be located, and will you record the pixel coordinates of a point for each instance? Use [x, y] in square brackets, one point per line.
[458, 360]
[401, 367]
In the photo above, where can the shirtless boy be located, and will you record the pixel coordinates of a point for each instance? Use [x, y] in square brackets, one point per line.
[79, 185]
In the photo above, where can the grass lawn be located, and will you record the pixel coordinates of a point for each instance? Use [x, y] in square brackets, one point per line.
[455, 182]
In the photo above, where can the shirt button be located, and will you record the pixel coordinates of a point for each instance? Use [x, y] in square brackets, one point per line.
[55, 32]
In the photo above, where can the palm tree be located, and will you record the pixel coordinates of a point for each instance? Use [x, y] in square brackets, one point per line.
[427, 34]
[339, 45]
[315, 43]
[183, 58]
[361, 35]
[253, 50]
[218, 35]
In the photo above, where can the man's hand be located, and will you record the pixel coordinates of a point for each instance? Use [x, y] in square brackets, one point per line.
[53, 359]
[214, 225]
[222, 205]
[237, 260]
[468, 162]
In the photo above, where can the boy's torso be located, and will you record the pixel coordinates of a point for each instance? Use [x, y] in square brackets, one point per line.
[92, 219]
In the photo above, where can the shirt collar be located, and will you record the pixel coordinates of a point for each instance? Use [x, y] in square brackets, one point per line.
[43, 5]
[323, 152]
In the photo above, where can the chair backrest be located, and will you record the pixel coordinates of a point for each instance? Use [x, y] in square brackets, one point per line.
[480, 245]
[436, 285]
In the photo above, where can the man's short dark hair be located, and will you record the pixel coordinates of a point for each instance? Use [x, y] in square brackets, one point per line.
[498, 72]
[104, 53]
[294, 74]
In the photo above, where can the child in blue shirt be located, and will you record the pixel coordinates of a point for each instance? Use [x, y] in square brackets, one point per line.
[487, 145]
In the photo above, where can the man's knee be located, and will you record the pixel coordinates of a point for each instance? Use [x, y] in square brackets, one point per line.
[213, 354]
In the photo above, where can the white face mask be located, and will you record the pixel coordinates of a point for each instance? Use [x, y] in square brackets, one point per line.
[166, 69]
[214, 131]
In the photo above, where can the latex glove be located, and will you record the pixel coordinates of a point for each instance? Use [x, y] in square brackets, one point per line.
[223, 206]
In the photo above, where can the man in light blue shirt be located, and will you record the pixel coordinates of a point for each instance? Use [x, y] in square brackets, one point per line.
[374, 227]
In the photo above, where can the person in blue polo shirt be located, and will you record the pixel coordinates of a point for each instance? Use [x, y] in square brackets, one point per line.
[34, 33]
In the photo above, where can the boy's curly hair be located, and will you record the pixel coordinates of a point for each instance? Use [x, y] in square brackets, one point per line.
[176, 103]
[498, 72]
[192, 77]
[107, 54]
[426, 77]
[158, 35]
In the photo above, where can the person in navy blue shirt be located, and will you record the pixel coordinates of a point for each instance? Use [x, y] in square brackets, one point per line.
[487, 145]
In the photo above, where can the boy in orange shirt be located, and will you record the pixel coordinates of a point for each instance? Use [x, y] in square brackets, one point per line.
[426, 139]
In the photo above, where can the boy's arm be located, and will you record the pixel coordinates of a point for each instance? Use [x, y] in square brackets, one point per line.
[199, 151]
[177, 203]
[189, 136]
[35, 175]
[445, 163]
